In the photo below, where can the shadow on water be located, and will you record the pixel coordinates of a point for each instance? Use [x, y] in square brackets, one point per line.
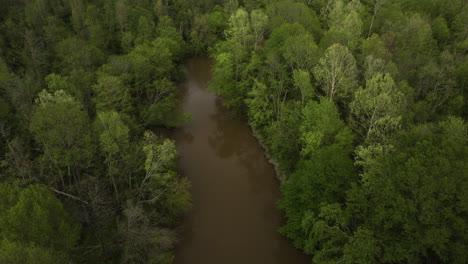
[234, 217]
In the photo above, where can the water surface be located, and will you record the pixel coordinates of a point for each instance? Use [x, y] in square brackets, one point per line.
[234, 190]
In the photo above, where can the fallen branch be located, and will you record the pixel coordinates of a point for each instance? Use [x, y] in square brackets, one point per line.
[68, 195]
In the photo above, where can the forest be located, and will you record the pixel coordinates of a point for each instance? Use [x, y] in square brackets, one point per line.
[361, 103]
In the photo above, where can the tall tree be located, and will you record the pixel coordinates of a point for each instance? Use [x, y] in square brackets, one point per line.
[259, 22]
[302, 82]
[376, 110]
[114, 140]
[34, 216]
[336, 72]
[112, 94]
[61, 127]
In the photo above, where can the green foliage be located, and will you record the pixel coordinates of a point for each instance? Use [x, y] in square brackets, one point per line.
[97, 34]
[4, 109]
[111, 64]
[239, 27]
[35, 216]
[247, 29]
[170, 37]
[61, 127]
[113, 133]
[57, 82]
[440, 30]
[375, 47]
[112, 94]
[225, 81]
[321, 179]
[302, 82]
[336, 72]
[292, 68]
[143, 242]
[162, 105]
[362, 248]
[17, 253]
[421, 195]
[376, 110]
[145, 30]
[301, 52]
[161, 186]
[283, 136]
[412, 66]
[148, 62]
[75, 54]
[345, 25]
[287, 11]
[208, 29]
[260, 107]
[322, 126]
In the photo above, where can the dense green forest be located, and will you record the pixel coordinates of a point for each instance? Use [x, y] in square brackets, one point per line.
[83, 178]
[361, 103]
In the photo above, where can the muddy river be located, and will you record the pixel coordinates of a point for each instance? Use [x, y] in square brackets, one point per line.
[234, 217]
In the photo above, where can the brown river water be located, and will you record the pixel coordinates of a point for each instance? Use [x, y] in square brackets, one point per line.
[234, 217]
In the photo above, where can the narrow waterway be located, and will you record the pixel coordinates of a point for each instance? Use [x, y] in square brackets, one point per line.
[234, 217]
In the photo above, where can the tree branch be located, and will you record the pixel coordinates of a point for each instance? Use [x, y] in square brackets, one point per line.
[68, 195]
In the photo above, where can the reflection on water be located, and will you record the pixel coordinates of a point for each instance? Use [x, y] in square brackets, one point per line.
[234, 217]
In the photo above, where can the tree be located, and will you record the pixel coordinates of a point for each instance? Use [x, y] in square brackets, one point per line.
[302, 82]
[440, 30]
[225, 81]
[290, 12]
[322, 126]
[345, 24]
[35, 54]
[336, 72]
[161, 108]
[373, 66]
[75, 54]
[323, 178]
[171, 38]
[283, 135]
[415, 48]
[143, 240]
[239, 28]
[208, 29]
[111, 94]
[97, 34]
[161, 187]
[361, 248]
[375, 47]
[411, 200]
[61, 127]
[437, 84]
[114, 140]
[36, 217]
[121, 15]
[145, 30]
[376, 110]
[259, 22]
[149, 61]
[376, 58]
[56, 82]
[260, 107]
[377, 4]
[301, 52]
[18, 253]
[327, 233]
[77, 15]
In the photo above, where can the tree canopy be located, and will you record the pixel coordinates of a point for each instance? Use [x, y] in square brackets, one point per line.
[360, 103]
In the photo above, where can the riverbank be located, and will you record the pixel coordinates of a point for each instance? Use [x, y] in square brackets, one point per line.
[280, 176]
